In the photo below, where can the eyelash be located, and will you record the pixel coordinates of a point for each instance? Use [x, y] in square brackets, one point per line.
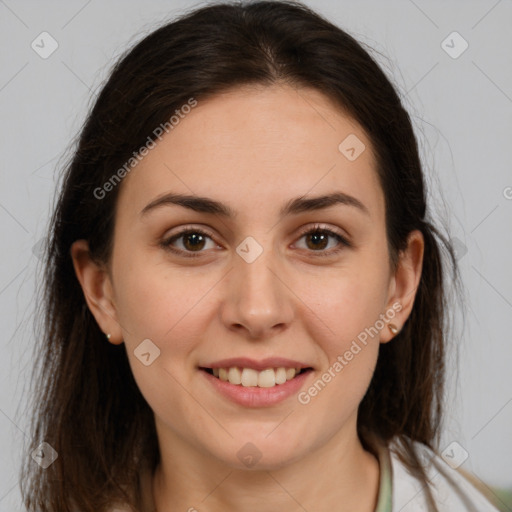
[166, 244]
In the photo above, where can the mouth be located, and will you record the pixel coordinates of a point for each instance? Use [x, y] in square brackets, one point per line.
[249, 377]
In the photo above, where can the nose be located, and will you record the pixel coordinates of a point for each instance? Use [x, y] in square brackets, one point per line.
[257, 301]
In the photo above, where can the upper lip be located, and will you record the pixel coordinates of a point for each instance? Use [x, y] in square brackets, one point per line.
[259, 365]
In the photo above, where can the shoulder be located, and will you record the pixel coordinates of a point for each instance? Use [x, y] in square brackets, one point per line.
[452, 492]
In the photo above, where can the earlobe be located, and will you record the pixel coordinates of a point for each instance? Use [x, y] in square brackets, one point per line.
[97, 289]
[394, 329]
[404, 285]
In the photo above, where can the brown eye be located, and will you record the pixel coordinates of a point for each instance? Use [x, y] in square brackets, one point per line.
[193, 241]
[318, 239]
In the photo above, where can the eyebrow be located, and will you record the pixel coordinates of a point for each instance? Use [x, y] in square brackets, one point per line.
[292, 207]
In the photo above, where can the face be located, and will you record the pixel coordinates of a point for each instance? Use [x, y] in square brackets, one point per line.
[277, 280]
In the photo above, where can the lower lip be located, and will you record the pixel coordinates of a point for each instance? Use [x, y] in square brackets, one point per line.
[255, 396]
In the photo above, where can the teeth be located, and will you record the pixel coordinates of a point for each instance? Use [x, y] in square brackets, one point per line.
[235, 375]
[290, 373]
[267, 378]
[280, 376]
[249, 377]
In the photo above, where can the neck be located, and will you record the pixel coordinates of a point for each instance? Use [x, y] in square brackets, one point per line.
[340, 475]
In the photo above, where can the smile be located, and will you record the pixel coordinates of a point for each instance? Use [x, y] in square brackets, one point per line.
[249, 377]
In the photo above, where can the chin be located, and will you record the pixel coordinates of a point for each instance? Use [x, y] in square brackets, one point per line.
[258, 453]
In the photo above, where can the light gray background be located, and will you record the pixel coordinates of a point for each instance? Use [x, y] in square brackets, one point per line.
[462, 109]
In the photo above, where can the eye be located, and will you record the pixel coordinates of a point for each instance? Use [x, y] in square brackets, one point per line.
[317, 239]
[194, 240]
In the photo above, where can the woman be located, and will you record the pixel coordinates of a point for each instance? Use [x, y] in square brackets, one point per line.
[244, 293]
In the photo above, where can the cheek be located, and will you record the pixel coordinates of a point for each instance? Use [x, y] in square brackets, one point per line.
[168, 308]
[347, 301]
[154, 299]
[347, 313]
[344, 321]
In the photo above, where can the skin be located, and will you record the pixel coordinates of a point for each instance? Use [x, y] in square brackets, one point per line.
[254, 149]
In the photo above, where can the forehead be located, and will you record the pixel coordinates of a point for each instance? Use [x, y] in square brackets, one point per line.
[256, 147]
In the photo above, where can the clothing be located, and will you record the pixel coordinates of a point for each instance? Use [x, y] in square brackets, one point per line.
[399, 491]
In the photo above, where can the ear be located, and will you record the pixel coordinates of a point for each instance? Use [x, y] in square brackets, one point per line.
[404, 284]
[98, 291]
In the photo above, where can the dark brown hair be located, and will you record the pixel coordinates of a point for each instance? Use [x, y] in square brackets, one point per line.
[86, 402]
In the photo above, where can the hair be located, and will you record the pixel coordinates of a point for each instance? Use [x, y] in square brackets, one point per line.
[86, 402]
